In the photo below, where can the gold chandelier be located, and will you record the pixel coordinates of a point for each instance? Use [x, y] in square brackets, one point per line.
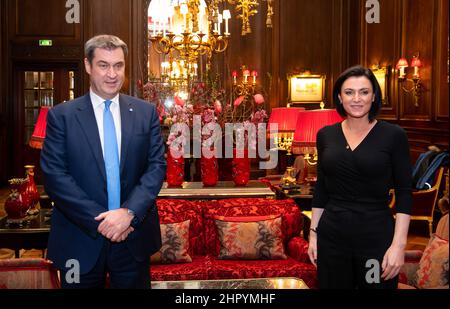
[188, 28]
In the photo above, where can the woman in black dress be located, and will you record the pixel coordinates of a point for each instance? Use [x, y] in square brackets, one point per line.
[355, 241]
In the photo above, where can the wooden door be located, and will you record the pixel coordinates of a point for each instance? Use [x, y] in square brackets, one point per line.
[36, 86]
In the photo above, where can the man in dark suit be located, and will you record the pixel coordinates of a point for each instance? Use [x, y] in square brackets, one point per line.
[103, 164]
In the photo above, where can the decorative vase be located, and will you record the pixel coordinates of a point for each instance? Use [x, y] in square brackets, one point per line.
[175, 169]
[30, 189]
[17, 203]
[241, 167]
[210, 169]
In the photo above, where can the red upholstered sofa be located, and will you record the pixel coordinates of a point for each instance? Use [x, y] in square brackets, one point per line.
[204, 245]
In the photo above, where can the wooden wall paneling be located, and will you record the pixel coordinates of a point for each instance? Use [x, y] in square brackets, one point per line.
[423, 124]
[305, 41]
[138, 68]
[3, 94]
[276, 79]
[418, 24]
[380, 46]
[31, 20]
[441, 64]
[267, 49]
[111, 17]
[343, 44]
[246, 50]
[35, 18]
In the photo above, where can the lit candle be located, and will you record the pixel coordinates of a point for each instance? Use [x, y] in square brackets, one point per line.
[226, 16]
[254, 74]
[416, 72]
[200, 24]
[402, 72]
[164, 28]
[234, 74]
[246, 74]
[220, 22]
[184, 10]
[154, 27]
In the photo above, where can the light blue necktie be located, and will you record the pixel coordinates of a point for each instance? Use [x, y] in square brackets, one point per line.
[111, 156]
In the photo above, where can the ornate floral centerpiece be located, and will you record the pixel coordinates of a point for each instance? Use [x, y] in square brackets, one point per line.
[205, 109]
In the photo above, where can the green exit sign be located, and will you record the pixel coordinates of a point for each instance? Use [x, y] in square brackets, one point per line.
[45, 42]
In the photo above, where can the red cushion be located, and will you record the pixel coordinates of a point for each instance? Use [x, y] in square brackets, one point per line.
[245, 207]
[242, 269]
[173, 210]
[196, 270]
[298, 249]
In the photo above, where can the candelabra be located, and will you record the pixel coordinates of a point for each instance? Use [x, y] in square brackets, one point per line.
[245, 87]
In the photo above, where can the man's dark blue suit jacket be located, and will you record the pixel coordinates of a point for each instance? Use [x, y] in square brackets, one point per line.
[75, 178]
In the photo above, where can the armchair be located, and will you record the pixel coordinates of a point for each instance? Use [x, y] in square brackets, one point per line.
[424, 201]
[33, 273]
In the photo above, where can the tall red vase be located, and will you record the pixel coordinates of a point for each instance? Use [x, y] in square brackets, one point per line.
[210, 170]
[241, 168]
[175, 169]
[17, 203]
[30, 188]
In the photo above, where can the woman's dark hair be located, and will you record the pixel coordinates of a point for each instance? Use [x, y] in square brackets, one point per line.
[357, 71]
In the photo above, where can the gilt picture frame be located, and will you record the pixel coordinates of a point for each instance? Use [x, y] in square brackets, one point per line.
[306, 88]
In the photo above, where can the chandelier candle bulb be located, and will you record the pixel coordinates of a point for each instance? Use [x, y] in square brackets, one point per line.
[220, 23]
[226, 16]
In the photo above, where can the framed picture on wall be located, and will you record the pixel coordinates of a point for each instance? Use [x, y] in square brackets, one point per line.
[306, 88]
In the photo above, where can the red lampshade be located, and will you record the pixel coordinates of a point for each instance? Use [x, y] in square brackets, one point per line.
[416, 62]
[285, 117]
[402, 62]
[310, 122]
[37, 139]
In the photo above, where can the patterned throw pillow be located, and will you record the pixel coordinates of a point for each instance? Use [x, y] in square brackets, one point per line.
[175, 244]
[250, 238]
[433, 266]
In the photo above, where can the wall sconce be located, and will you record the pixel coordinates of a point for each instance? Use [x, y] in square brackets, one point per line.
[402, 64]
